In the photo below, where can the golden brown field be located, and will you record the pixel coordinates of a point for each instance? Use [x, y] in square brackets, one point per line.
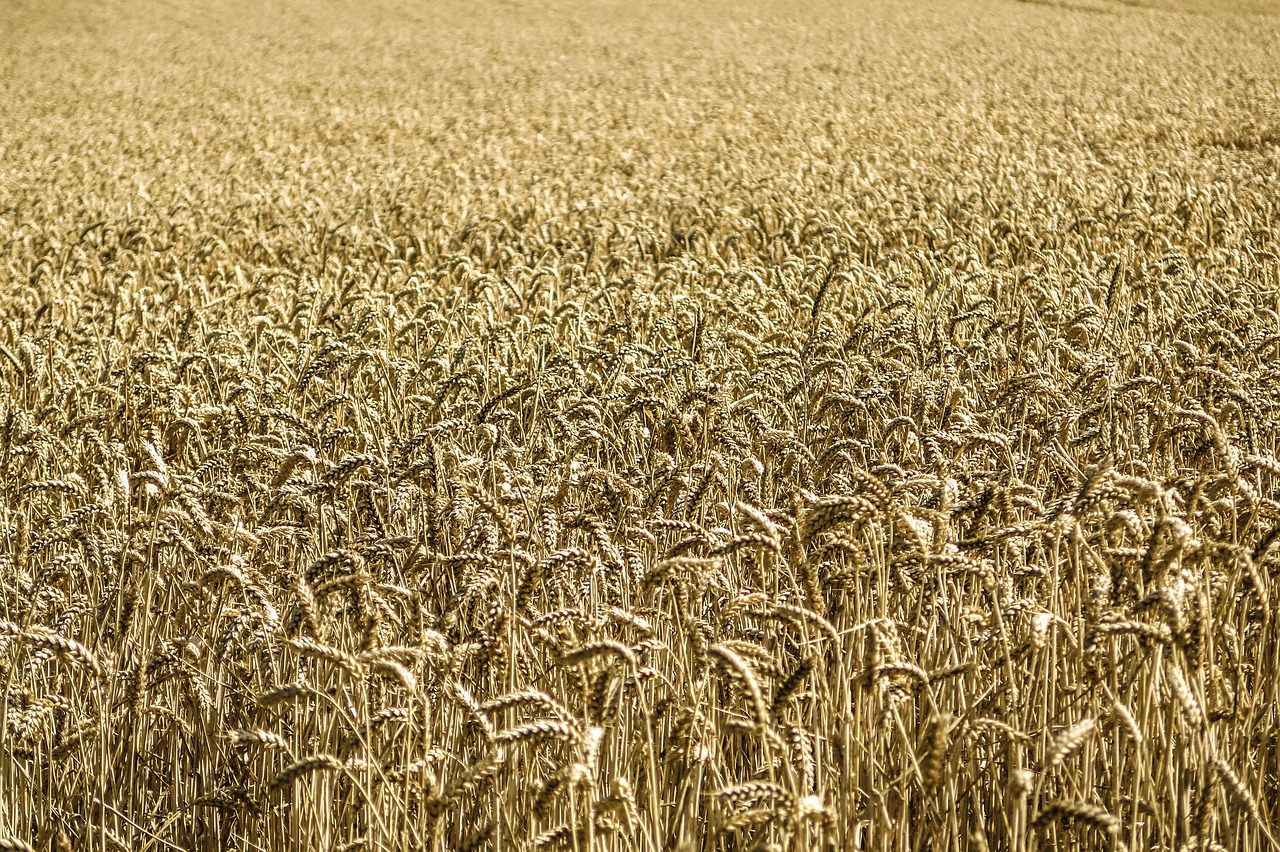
[640, 426]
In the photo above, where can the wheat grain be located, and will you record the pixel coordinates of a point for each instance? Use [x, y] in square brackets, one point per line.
[1082, 812]
[1069, 741]
[304, 767]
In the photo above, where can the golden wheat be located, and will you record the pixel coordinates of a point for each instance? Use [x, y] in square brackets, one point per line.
[639, 427]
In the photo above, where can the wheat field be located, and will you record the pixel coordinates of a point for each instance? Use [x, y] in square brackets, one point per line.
[614, 426]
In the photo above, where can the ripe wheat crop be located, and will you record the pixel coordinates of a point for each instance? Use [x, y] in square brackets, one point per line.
[640, 427]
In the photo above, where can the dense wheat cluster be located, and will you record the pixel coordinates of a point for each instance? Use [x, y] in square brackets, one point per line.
[611, 426]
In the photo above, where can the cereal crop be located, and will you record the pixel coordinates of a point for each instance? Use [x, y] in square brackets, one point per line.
[657, 426]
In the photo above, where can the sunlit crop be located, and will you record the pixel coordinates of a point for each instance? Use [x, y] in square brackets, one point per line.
[625, 426]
